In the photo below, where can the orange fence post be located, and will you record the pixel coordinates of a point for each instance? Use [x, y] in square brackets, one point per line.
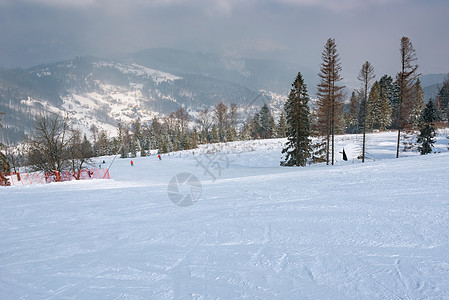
[1, 180]
[107, 172]
[98, 173]
[28, 176]
[37, 175]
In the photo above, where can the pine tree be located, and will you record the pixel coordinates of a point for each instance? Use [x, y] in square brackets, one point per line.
[256, 127]
[417, 104]
[246, 131]
[352, 119]
[298, 147]
[384, 119]
[329, 96]
[443, 100]
[427, 132]
[266, 123]
[120, 137]
[229, 133]
[215, 137]
[281, 131]
[374, 107]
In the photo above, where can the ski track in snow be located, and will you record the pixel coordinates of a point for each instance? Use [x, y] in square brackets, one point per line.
[259, 231]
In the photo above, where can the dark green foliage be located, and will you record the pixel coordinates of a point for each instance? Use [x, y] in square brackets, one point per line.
[281, 131]
[266, 123]
[352, 118]
[443, 100]
[427, 132]
[390, 90]
[296, 108]
[255, 127]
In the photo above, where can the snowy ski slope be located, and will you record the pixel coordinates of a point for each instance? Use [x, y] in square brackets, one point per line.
[377, 230]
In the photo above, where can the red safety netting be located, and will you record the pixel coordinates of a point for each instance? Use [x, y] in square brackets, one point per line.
[18, 178]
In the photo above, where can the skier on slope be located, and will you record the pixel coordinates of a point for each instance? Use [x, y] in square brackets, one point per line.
[159, 156]
[132, 164]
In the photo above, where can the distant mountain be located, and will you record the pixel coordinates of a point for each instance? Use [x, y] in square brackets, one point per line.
[141, 86]
[431, 84]
[432, 79]
[275, 76]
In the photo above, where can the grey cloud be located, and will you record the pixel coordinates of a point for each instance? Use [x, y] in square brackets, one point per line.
[37, 31]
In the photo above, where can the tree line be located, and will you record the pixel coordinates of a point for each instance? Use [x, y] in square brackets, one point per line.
[383, 104]
[380, 105]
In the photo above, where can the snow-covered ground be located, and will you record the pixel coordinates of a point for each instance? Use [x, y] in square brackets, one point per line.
[377, 230]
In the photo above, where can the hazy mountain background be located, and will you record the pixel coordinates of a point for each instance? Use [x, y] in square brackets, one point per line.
[147, 84]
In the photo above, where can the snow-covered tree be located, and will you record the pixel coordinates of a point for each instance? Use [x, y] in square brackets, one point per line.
[352, 118]
[417, 105]
[443, 100]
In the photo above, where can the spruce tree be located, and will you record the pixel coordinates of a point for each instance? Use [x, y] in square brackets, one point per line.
[384, 118]
[298, 146]
[353, 121]
[417, 104]
[256, 128]
[443, 100]
[266, 123]
[281, 131]
[427, 132]
[374, 107]
[214, 133]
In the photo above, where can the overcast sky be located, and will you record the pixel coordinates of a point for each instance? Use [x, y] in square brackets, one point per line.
[41, 31]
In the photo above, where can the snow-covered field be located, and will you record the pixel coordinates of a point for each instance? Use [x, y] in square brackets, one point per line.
[378, 230]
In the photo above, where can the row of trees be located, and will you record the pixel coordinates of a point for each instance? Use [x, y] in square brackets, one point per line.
[379, 105]
[55, 146]
[174, 131]
[386, 103]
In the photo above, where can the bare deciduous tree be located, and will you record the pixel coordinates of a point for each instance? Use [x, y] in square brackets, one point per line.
[183, 118]
[79, 152]
[221, 116]
[47, 148]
